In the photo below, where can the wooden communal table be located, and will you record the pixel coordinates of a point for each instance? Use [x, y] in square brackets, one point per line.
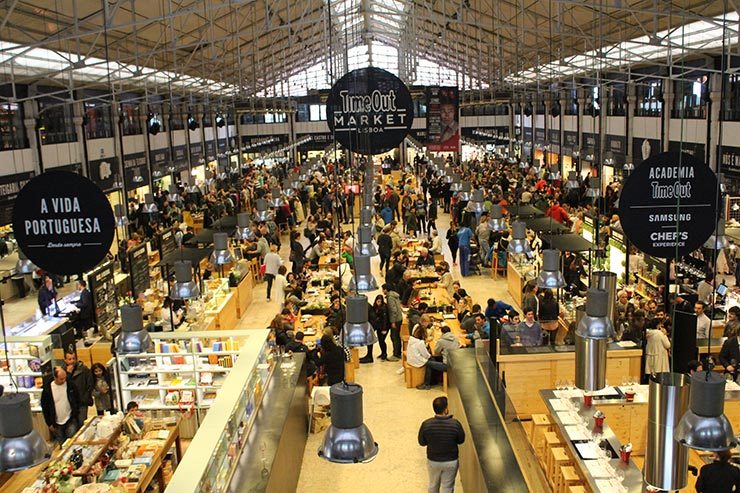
[154, 471]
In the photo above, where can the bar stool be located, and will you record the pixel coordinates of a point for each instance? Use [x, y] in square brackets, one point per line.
[540, 424]
[550, 440]
[557, 458]
[568, 477]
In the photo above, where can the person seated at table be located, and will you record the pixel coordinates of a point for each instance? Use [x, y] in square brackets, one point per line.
[170, 318]
[331, 357]
[481, 328]
[296, 344]
[732, 324]
[424, 259]
[497, 309]
[436, 248]
[446, 343]
[720, 476]
[464, 303]
[337, 314]
[468, 321]
[529, 329]
[281, 330]
[415, 311]
[418, 356]
[316, 252]
[425, 322]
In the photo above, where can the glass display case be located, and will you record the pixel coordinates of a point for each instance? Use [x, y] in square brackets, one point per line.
[215, 450]
[214, 293]
[30, 360]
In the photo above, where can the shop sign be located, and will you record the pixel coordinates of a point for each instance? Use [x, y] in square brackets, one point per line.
[668, 204]
[72, 168]
[63, 222]
[222, 147]
[539, 135]
[693, 148]
[370, 111]
[643, 148]
[729, 158]
[196, 153]
[554, 134]
[314, 142]
[528, 133]
[179, 158]
[159, 159]
[10, 185]
[135, 170]
[570, 139]
[104, 172]
[210, 150]
[617, 144]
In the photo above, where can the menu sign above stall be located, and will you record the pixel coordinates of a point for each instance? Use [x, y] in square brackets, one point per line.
[10, 185]
[63, 222]
[668, 204]
[179, 158]
[135, 170]
[370, 111]
[104, 172]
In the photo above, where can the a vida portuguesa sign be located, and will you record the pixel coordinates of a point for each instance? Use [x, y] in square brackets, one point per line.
[370, 111]
[668, 205]
[63, 222]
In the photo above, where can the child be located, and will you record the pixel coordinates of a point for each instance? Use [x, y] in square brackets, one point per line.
[102, 390]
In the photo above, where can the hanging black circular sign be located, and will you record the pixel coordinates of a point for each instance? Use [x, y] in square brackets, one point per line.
[63, 222]
[667, 207]
[370, 111]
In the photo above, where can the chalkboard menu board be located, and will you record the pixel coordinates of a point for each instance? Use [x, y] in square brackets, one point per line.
[139, 263]
[167, 243]
[103, 288]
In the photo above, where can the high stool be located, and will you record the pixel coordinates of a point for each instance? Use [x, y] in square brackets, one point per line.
[568, 477]
[412, 375]
[540, 424]
[556, 459]
[550, 440]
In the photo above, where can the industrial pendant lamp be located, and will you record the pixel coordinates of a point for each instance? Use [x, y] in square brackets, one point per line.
[594, 187]
[185, 288]
[221, 254]
[209, 179]
[523, 165]
[572, 180]
[456, 185]
[174, 194]
[363, 280]
[133, 337]
[222, 174]
[24, 265]
[366, 217]
[550, 275]
[718, 240]
[705, 426]
[554, 173]
[449, 177]
[294, 181]
[150, 207]
[465, 193]
[364, 245]
[21, 447]
[288, 189]
[192, 188]
[357, 330]
[477, 203]
[496, 220]
[120, 215]
[263, 214]
[277, 198]
[347, 440]
[519, 243]
[243, 227]
[591, 338]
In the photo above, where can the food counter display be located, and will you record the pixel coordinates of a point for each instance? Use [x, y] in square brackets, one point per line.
[184, 371]
[517, 275]
[242, 284]
[216, 449]
[617, 256]
[220, 303]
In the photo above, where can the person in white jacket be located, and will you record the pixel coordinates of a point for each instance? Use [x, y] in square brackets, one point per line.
[417, 355]
[656, 351]
[272, 264]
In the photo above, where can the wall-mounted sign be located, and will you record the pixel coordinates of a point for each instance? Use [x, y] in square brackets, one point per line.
[63, 222]
[554, 134]
[10, 186]
[104, 172]
[729, 158]
[159, 159]
[570, 139]
[196, 153]
[527, 133]
[694, 148]
[179, 158]
[617, 145]
[210, 150]
[135, 170]
[643, 148]
[539, 135]
[369, 110]
[668, 205]
[222, 145]
[443, 119]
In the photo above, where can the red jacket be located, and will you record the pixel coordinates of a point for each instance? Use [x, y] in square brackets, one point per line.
[558, 213]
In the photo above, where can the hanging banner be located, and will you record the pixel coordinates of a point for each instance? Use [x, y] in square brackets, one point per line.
[443, 119]
[643, 148]
[10, 186]
[370, 111]
[63, 222]
[104, 172]
[159, 159]
[179, 158]
[196, 154]
[668, 205]
[135, 170]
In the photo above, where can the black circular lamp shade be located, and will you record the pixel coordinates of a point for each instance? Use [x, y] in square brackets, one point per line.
[370, 111]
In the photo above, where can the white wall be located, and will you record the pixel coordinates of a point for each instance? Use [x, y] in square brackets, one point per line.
[56, 155]
[178, 137]
[646, 127]
[689, 130]
[101, 148]
[17, 161]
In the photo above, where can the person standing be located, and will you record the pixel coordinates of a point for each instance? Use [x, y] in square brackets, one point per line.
[378, 318]
[385, 248]
[102, 391]
[453, 242]
[656, 350]
[272, 264]
[47, 295]
[463, 236]
[395, 319]
[297, 254]
[60, 406]
[82, 380]
[703, 324]
[441, 435]
[85, 305]
[720, 476]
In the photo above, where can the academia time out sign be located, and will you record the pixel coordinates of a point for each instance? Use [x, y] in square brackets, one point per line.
[668, 207]
[370, 111]
[63, 222]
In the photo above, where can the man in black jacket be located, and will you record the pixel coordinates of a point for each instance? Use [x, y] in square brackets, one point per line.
[59, 405]
[441, 435]
[47, 295]
[82, 380]
[729, 355]
[85, 305]
[385, 247]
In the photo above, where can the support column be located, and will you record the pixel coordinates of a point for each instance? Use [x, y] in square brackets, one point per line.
[30, 109]
[668, 97]
[581, 100]
[512, 125]
[630, 120]
[546, 119]
[563, 100]
[78, 121]
[143, 114]
[715, 98]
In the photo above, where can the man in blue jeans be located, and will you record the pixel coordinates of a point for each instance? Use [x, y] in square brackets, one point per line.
[463, 238]
[441, 435]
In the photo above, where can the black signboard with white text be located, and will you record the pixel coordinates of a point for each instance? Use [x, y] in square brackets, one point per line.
[539, 135]
[668, 205]
[527, 133]
[694, 148]
[159, 159]
[104, 172]
[729, 157]
[63, 222]
[210, 150]
[135, 170]
[139, 265]
[222, 147]
[179, 158]
[617, 145]
[591, 145]
[196, 153]
[369, 110]
[643, 148]
[314, 142]
[10, 185]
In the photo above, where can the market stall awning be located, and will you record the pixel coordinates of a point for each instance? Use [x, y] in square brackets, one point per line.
[194, 255]
[523, 211]
[569, 242]
[545, 225]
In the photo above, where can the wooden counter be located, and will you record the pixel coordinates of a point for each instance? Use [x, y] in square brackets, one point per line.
[515, 282]
[526, 374]
[243, 292]
[226, 313]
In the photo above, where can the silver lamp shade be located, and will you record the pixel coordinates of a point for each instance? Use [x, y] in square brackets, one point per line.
[221, 254]
[243, 227]
[363, 280]
[594, 187]
[24, 266]
[591, 338]
[150, 207]
[21, 447]
[366, 217]
[496, 220]
[523, 165]
[133, 337]
[465, 193]
[277, 198]
[305, 175]
[357, 330]
[595, 324]
[209, 178]
[477, 202]
[185, 288]
[347, 440]
[263, 213]
[364, 244]
[120, 215]
[550, 275]
[519, 243]
[192, 188]
[174, 194]
[222, 174]
[718, 240]
[705, 426]
[554, 173]
[294, 181]
[572, 180]
[456, 185]
[288, 189]
[448, 178]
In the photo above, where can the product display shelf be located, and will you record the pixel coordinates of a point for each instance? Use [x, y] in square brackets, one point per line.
[214, 452]
[184, 370]
[30, 359]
